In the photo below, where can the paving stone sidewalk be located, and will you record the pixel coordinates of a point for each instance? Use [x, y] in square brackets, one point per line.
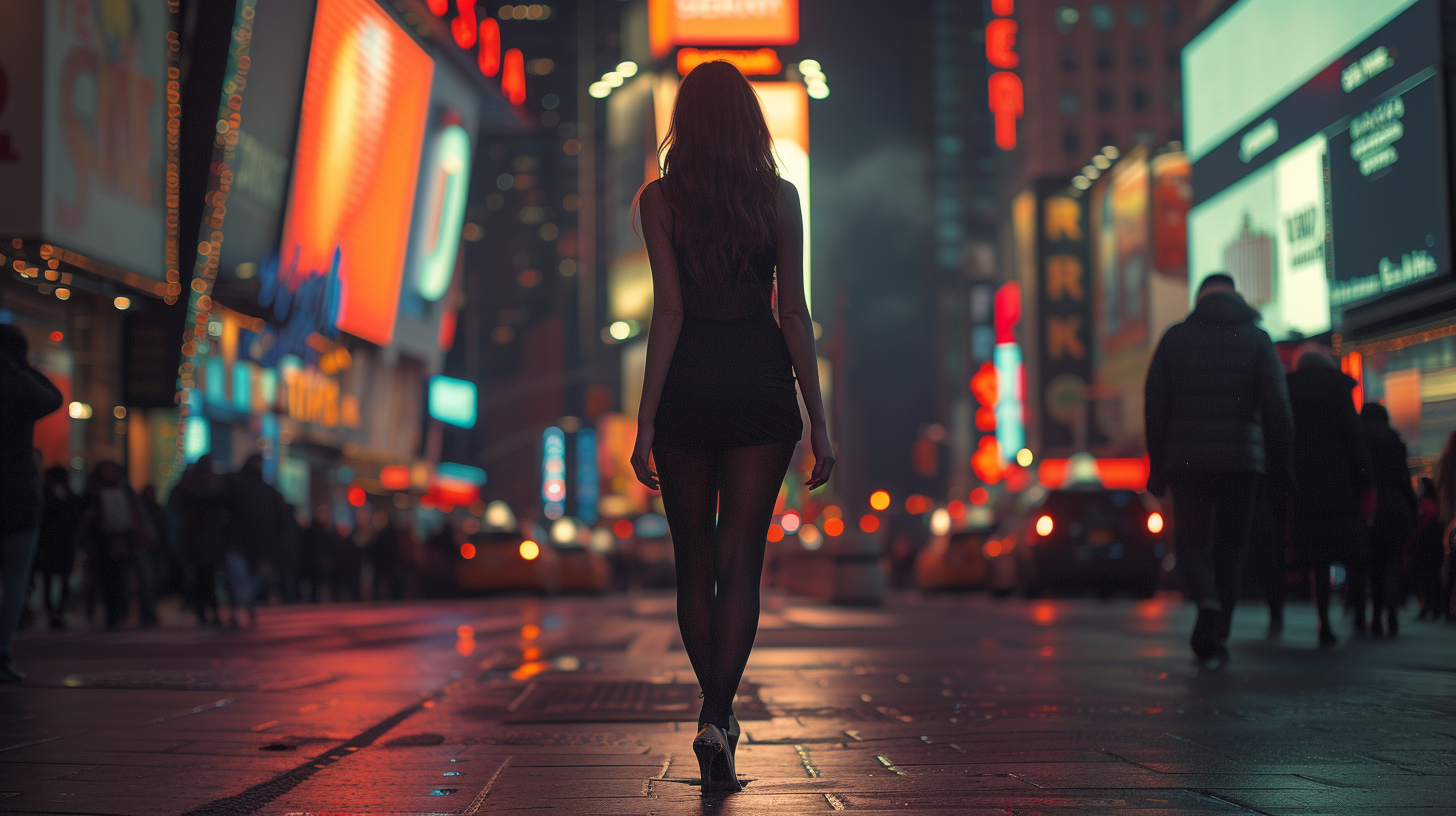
[952, 704]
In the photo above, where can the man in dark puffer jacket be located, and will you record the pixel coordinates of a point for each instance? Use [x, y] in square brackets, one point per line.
[1217, 420]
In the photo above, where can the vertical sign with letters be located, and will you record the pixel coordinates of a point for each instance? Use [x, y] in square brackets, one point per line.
[1064, 317]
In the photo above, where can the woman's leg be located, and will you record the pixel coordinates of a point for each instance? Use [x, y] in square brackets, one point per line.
[749, 487]
[689, 479]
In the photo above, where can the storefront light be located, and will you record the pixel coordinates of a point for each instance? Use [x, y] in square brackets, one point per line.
[121, 302]
[599, 90]
[80, 410]
[613, 79]
[627, 69]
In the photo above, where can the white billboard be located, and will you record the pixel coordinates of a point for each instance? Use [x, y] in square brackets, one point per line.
[102, 118]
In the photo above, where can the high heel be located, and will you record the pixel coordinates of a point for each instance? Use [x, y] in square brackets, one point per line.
[715, 761]
[733, 733]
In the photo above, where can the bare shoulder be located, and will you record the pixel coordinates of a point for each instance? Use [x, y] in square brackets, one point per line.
[788, 198]
[652, 191]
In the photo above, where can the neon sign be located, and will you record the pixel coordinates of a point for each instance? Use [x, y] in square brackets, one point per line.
[449, 179]
[760, 62]
[1005, 95]
[553, 472]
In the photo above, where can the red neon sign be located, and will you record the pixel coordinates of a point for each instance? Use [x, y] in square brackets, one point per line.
[1001, 43]
[489, 56]
[463, 26]
[1007, 311]
[1004, 89]
[513, 78]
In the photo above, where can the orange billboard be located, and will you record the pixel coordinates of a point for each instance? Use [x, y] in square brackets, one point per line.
[365, 101]
[721, 22]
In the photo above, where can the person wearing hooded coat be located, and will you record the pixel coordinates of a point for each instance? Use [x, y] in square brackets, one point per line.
[1217, 424]
[1395, 523]
[25, 396]
[1334, 496]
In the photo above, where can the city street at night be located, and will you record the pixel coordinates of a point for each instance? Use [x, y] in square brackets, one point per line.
[953, 704]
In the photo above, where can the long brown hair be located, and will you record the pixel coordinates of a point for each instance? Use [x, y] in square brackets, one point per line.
[718, 174]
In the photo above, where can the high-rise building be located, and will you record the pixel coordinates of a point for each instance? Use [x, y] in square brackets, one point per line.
[1090, 75]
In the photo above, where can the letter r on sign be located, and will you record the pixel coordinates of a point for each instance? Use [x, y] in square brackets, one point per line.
[1063, 219]
[1064, 277]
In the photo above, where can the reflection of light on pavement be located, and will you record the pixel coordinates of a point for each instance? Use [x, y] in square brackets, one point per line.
[1046, 651]
[465, 631]
[531, 653]
[530, 631]
[1044, 613]
[465, 646]
[1150, 610]
[529, 670]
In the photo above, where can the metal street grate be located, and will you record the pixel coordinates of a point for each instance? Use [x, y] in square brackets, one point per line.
[622, 702]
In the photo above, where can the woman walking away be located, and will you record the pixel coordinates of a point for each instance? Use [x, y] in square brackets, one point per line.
[1425, 567]
[1395, 522]
[1333, 496]
[718, 414]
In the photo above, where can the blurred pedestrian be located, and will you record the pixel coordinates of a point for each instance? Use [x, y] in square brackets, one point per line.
[719, 418]
[385, 552]
[1334, 497]
[1425, 561]
[346, 566]
[1446, 504]
[56, 557]
[259, 540]
[151, 556]
[200, 503]
[113, 527]
[1218, 423]
[28, 396]
[1395, 523]
[316, 547]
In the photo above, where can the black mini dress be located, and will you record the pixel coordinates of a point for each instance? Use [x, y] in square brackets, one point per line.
[731, 381]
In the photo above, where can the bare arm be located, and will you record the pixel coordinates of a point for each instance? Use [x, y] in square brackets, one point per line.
[667, 318]
[798, 329]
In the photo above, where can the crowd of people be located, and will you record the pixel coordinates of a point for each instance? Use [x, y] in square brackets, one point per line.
[1265, 443]
[224, 543]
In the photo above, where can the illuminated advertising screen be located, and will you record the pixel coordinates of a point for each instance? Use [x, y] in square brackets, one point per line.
[444, 181]
[1120, 219]
[1335, 194]
[278, 52]
[366, 101]
[721, 22]
[104, 112]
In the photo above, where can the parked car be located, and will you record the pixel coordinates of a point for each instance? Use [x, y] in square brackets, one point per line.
[1081, 538]
[504, 561]
[580, 569]
[956, 560]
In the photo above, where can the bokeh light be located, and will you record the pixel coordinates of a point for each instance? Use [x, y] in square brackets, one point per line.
[880, 499]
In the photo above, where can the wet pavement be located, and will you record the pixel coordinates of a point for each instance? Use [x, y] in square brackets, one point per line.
[954, 704]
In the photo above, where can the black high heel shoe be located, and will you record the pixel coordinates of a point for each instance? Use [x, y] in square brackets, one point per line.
[732, 734]
[715, 761]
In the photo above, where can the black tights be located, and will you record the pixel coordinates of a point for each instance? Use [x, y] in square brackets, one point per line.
[719, 504]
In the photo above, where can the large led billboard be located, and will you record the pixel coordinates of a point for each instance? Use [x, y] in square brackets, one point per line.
[1259, 51]
[1335, 194]
[83, 107]
[365, 103]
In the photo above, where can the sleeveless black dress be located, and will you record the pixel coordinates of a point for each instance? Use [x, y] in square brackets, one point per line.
[731, 381]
